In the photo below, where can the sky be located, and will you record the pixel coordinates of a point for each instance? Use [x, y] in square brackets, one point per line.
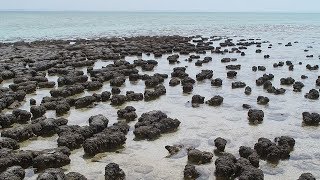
[165, 5]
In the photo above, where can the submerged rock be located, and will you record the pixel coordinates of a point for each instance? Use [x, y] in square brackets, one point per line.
[8, 143]
[262, 100]
[313, 94]
[306, 176]
[311, 119]
[114, 172]
[216, 82]
[52, 174]
[75, 176]
[13, 173]
[110, 138]
[215, 101]
[255, 115]
[199, 157]
[238, 85]
[128, 113]
[152, 124]
[197, 99]
[173, 149]
[190, 172]
[220, 143]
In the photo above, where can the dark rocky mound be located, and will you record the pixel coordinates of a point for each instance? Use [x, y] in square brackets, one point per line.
[8, 143]
[215, 101]
[109, 139]
[306, 176]
[247, 90]
[128, 113]
[190, 172]
[216, 82]
[227, 166]
[13, 173]
[75, 176]
[52, 173]
[114, 172]
[220, 143]
[287, 81]
[40, 127]
[275, 151]
[196, 100]
[266, 77]
[238, 84]
[204, 74]
[313, 94]
[156, 93]
[199, 157]
[174, 149]
[262, 100]
[311, 119]
[152, 124]
[255, 115]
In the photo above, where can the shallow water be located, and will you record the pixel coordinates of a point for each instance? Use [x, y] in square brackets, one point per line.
[17, 26]
[200, 126]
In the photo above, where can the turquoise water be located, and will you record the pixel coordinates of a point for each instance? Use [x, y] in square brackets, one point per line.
[28, 26]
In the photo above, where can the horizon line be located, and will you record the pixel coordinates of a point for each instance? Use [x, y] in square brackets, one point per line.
[151, 11]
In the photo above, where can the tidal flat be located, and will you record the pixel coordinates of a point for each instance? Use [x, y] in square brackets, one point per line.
[154, 104]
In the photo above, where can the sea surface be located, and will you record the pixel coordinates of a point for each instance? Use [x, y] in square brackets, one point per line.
[30, 26]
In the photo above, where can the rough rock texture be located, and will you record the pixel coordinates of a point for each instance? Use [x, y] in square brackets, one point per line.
[128, 113]
[199, 157]
[110, 138]
[114, 172]
[190, 172]
[220, 143]
[215, 101]
[152, 124]
[255, 115]
[311, 119]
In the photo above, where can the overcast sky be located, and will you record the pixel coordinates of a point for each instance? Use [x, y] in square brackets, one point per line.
[165, 5]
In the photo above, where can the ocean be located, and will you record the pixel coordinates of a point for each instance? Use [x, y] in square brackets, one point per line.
[29, 26]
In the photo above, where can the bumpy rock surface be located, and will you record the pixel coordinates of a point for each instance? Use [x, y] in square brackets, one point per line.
[190, 172]
[199, 157]
[311, 119]
[220, 143]
[306, 176]
[215, 101]
[114, 172]
[274, 152]
[128, 113]
[110, 138]
[152, 124]
[227, 166]
[13, 173]
[255, 115]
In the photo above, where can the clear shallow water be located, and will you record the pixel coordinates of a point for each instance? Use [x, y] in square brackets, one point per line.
[200, 126]
[54, 25]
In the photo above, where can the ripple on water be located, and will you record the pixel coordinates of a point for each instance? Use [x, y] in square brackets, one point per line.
[271, 169]
[189, 142]
[278, 116]
[143, 169]
[307, 165]
[302, 156]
